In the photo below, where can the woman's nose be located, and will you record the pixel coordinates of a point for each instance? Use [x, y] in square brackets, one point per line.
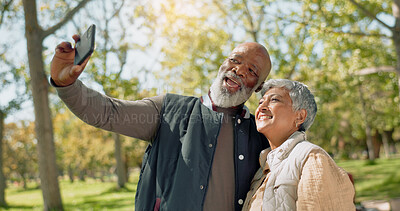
[264, 106]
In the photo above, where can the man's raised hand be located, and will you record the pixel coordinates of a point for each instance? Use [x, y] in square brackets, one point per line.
[63, 70]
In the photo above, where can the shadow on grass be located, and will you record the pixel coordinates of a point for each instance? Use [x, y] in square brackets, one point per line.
[387, 189]
[94, 202]
[117, 190]
[370, 162]
[115, 204]
[27, 190]
[16, 207]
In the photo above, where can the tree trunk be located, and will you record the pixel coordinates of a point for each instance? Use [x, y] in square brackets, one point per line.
[70, 174]
[24, 181]
[120, 163]
[82, 174]
[385, 141]
[126, 166]
[396, 37]
[377, 144]
[43, 123]
[2, 177]
[368, 133]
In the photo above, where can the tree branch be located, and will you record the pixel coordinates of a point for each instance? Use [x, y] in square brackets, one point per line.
[66, 18]
[252, 29]
[369, 14]
[372, 70]
[357, 33]
[335, 32]
[4, 9]
[220, 7]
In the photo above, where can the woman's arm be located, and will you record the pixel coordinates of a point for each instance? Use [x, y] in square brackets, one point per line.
[323, 185]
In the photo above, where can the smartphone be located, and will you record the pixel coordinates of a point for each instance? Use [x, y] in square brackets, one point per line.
[85, 46]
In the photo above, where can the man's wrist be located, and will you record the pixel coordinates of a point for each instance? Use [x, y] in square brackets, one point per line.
[53, 83]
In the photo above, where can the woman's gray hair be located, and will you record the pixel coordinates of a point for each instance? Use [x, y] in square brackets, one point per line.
[301, 97]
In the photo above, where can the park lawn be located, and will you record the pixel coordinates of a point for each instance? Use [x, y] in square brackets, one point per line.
[379, 180]
[89, 195]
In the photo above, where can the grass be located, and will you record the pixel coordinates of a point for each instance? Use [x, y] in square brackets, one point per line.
[88, 195]
[378, 180]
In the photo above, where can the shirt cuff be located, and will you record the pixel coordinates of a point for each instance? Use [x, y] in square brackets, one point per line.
[66, 91]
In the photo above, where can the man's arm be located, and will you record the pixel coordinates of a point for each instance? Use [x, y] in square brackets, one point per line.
[138, 119]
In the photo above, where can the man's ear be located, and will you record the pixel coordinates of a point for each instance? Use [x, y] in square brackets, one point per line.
[259, 87]
[301, 116]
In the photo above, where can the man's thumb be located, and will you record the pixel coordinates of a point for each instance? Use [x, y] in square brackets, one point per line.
[76, 70]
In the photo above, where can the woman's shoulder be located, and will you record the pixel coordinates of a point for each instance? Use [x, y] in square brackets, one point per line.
[308, 147]
[305, 147]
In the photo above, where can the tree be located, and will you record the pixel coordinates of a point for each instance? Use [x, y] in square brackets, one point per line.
[193, 45]
[35, 36]
[4, 111]
[372, 13]
[82, 149]
[108, 63]
[20, 150]
[313, 42]
[321, 43]
[10, 75]
[110, 77]
[355, 42]
[2, 177]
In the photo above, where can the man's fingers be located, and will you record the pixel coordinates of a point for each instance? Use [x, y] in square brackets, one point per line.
[76, 37]
[64, 47]
[84, 63]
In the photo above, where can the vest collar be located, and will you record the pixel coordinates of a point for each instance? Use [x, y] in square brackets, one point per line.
[271, 158]
[206, 100]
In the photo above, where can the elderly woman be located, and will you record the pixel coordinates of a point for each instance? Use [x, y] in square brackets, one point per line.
[295, 174]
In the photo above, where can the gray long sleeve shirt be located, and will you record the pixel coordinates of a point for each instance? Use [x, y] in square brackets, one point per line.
[138, 119]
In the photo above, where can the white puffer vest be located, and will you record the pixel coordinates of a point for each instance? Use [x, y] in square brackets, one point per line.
[287, 161]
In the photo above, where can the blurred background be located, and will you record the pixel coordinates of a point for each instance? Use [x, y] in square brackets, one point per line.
[346, 51]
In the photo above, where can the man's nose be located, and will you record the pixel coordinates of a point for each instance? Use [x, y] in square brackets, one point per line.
[239, 70]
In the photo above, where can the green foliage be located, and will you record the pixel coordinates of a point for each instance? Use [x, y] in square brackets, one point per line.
[323, 44]
[20, 156]
[194, 46]
[380, 181]
[82, 148]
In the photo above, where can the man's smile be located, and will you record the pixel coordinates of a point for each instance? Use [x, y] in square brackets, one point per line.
[232, 84]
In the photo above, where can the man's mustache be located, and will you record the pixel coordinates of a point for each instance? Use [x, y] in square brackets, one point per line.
[234, 76]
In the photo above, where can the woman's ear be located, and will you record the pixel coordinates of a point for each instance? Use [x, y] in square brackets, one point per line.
[301, 116]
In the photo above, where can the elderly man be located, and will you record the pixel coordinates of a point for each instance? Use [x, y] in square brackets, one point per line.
[203, 152]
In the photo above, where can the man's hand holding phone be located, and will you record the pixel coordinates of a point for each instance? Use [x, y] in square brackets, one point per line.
[63, 70]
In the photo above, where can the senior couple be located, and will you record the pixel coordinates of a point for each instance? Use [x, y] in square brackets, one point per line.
[209, 152]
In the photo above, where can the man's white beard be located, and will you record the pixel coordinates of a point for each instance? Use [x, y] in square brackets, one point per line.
[221, 96]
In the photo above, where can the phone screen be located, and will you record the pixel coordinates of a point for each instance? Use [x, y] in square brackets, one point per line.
[85, 46]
